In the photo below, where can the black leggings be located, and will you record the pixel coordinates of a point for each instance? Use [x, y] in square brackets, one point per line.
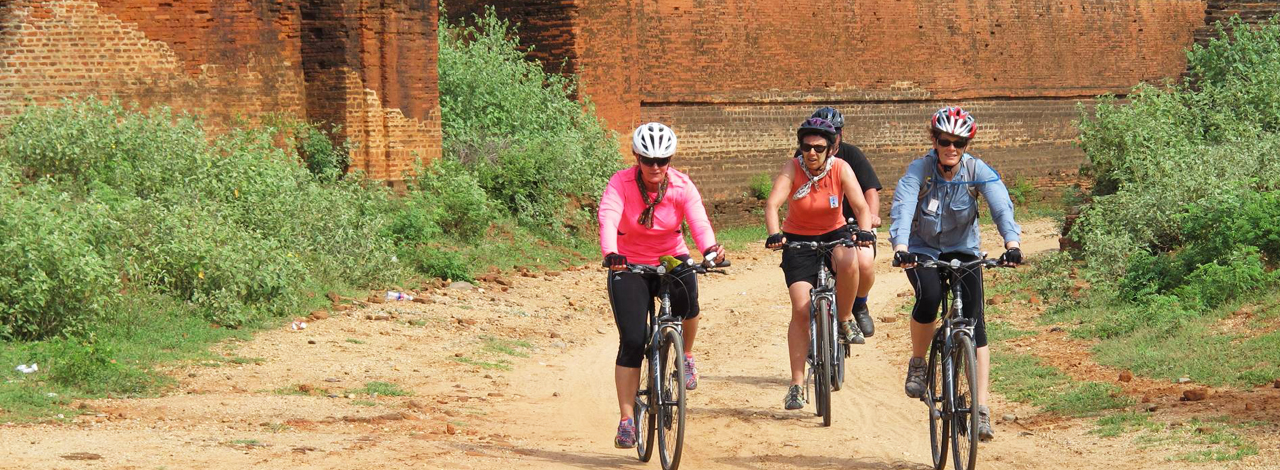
[631, 296]
[929, 287]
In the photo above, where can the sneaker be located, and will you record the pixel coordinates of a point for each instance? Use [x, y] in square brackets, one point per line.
[985, 433]
[794, 400]
[863, 316]
[850, 334]
[915, 377]
[626, 438]
[690, 373]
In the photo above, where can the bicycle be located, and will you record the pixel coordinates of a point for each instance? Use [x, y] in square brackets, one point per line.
[660, 400]
[952, 389]
[826, 353]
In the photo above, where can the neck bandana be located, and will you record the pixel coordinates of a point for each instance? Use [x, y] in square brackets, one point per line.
[646, 217]
[804, 190]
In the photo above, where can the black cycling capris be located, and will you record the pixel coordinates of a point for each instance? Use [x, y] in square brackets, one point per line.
[801, 264]
[632, 297]
[929, 287]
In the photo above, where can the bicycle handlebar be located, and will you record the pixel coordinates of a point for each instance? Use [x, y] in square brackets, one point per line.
[956, 265]
[706, 266]
[845, 242]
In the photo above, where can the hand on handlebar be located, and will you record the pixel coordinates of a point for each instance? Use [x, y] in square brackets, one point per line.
[906, 260]
[864, 238]
[1012, 257]
[774, 242]
[615, 262]
[715, 254]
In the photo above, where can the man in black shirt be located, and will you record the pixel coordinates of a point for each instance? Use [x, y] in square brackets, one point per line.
[870, 184]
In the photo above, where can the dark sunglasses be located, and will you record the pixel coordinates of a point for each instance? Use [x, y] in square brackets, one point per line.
[658, 162]
[959, 143]
[805, 148]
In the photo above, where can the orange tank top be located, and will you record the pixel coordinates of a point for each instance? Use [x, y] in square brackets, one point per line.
[820, 211]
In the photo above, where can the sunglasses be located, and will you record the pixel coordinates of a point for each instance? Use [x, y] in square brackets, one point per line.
[805, 148]
[959, 143]
[658, 162]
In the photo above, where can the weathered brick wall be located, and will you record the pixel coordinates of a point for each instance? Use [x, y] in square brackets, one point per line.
[1252, 12]
[735, 77]
[229, 59]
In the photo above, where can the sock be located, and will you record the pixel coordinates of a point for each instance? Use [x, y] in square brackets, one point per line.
[858, 302]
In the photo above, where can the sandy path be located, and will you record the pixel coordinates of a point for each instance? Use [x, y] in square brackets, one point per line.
[552, 410]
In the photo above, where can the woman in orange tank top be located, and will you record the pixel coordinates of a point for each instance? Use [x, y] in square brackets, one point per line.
[814, 186]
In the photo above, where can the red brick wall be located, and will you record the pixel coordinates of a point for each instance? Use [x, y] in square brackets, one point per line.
[227, 59]
[1251, 11]
[735, 77]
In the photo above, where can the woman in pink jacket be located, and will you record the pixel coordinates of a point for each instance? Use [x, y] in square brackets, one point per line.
[640, 216]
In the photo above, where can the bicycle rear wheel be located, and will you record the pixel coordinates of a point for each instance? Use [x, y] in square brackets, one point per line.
[646, 420]
[939, 420]
[840, 351]
[964, 416]
[671, 405]
[824, 359]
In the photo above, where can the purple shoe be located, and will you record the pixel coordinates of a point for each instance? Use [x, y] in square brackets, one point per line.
[690, 373]
[626, 438]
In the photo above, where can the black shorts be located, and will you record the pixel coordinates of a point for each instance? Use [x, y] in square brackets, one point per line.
[802, 264]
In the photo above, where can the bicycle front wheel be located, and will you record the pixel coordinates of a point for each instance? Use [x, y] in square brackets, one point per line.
[646, 419]
[824, 359]
[671, 407]
[939, 419]
[964, 416]
[839, 351]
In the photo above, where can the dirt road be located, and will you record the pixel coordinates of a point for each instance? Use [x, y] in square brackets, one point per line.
[521, 378]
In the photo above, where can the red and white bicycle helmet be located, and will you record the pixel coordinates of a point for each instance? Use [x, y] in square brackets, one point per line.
[654, 140]
[954, 121]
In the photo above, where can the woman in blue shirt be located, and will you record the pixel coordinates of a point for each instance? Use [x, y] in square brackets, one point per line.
[935, 216]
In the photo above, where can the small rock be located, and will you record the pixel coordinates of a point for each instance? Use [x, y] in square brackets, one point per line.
[1059, 329]
[555, 334]
[502, 281]
[304, 388]
[555, 394]
[495, 394]
[904, 294]
[192, 374]
[995, 299]
[311, 341]
[1195, 394]
[351, 396]
[1276, 384]
[600, 330]
[450, 429]
[374, 299]
[1126, 376]
[416, 405]
[1009, 417]
[488, 376]
[319, 315]
[332, 380]
[1204, 430]
[82, 456]
[341, 308]
[1025, 434]
[1034, 300]
[303, 449]
[1250, 407]
[1148, 407]
[1184, 380]
[457, 354]
[421, 300]
[461, 285]
[888, 319]
[332, 395]
[379, 317]
[571, 304]
[559, 344]
[552, 273]
[333, 297]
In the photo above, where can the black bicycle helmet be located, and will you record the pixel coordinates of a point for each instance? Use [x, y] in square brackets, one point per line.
[816, 126]
[831, 115]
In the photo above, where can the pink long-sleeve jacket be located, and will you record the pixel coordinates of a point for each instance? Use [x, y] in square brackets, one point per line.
[620, 208]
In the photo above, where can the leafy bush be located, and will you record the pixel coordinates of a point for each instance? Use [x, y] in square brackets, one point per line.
[324, 160]
[531, 146]
[446, 199]
[760, 186]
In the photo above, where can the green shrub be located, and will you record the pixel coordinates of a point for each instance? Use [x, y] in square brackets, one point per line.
[53, 278]
[531, 146]
[760, 186]
[446, 199]
[324, 160]
[437, 262]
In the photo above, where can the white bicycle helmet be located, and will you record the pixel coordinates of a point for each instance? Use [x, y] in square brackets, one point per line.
[654, 140]
[954, 121]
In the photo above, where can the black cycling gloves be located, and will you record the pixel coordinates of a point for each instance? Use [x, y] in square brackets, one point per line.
[615, 261]
[1012, 256]
[774, 240]
[864, 236]
[902, 257]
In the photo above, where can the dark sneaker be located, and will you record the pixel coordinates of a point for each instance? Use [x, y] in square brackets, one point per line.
[690, 374]
[863, 316]
[915, 377]
[626, 438]
[985, 433]
[794, 400]
[850, 334]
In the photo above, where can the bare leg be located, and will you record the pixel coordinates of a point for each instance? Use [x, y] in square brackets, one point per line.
[921, 335]
[690, 327]
[798, 330]
[866, 271]
[627, 380]
[846, 267]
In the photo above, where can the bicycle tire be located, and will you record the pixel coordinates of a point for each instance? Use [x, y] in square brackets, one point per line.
[823, 382]
[840, 351]
[646, 421]
[964, 415]
[671, 408]
[939, 419]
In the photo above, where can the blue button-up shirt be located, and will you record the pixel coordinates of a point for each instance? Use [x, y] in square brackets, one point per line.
[945, 220]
